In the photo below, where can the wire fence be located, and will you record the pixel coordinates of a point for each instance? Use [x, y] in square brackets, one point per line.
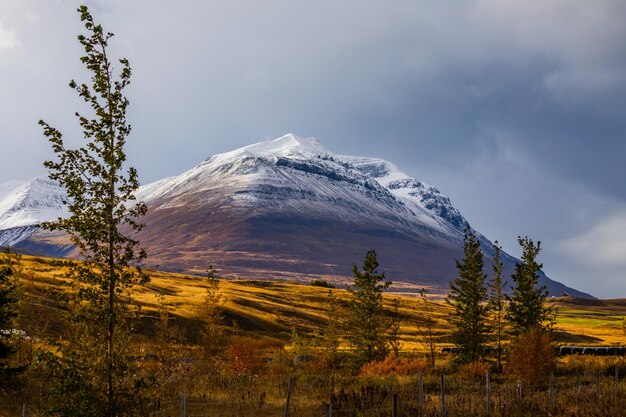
[442, 395]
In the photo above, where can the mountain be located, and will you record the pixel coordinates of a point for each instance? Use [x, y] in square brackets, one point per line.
[291, 209]
[24, 205]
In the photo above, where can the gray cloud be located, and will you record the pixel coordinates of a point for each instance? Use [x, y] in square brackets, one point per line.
[8, 40]
[514, 109]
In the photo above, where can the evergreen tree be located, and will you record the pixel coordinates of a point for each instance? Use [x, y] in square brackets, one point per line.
[467, 296]
[496, 301]
[526, 309]
[367, 324]
[8, 302]
[93, 376]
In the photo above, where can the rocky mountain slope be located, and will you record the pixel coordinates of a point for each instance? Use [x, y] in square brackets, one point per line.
[291, 209]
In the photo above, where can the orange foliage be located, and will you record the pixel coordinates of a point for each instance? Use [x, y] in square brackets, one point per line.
[532, 357]
[247, 355]
[474, 370]
[394, 366]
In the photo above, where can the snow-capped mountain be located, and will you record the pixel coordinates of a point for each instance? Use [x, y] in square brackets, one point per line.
[300, 175]
[287, 208]
[24, 205]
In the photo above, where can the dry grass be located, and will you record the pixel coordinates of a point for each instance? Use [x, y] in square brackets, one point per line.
[275, 309]
[266, 314]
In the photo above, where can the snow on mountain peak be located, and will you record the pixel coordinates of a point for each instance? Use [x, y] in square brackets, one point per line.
[407, 188]
[30, 203]
[247, 174]
[289, 145]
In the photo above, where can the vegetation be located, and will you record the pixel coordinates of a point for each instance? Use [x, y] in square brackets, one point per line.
[496, 301]
[331, 334]
[527, 309]
[322, 283]
[212, 316]
[394, 329]
[467, 296]
[367, 322]
[429, 324]
[93, 376]
[8, 302]
[258, 321]
[532, 356]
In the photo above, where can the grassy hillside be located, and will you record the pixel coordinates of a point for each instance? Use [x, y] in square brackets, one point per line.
[275, 309]
[248, 376]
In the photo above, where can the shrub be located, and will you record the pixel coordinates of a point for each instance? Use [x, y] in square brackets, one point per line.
[248, 356]
[474, 370]
[245, 357]
[322, 283]
[531, 356]
[393, 366]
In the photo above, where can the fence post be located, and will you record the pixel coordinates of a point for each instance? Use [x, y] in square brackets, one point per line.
[329, 410]
[488, 393]
[24, 409]
[421, 392]
[551, 388]
[394, 405]
[288, 400]
[442, 378]
[519, 390]
[183, 405]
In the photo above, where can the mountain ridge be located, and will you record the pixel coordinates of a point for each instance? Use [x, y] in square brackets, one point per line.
[290, 207]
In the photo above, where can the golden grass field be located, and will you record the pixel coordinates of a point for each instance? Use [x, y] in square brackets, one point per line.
[275, 309]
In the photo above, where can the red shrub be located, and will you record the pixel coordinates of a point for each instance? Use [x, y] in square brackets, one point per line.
[531, 357]
[394, 366]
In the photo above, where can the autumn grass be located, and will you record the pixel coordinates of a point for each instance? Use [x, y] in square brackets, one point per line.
[267, 313]
[275, 309]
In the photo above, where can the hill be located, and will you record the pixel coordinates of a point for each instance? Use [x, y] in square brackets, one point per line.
[274, 309]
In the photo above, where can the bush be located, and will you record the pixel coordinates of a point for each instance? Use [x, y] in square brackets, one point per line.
[474, 370]
[531, 357]
[248, 356]
[322, 283]
[394, 366]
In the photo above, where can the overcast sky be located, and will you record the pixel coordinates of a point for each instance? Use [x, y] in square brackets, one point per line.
[515, 109]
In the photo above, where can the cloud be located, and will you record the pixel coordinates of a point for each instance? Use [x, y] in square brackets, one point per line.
[595, 260]
[603, 245]
[8, 38]
[582, 40]
[513, 108]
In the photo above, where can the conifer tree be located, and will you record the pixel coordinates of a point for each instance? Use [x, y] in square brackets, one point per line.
[367, 324]
[467, 296]
[93, 376]
[8, 302]
[526, 308]
[496, 301]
